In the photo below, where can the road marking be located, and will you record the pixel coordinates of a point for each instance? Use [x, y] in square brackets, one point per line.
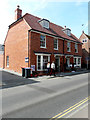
[70, 109]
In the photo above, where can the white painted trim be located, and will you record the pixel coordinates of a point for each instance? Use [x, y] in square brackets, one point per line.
[47, 34]
[58, 55]
[42, 54]
[45, 41]
[57, 44]
[77, 61]
[77, 47]
[55, 36]
[70, 46]
[42, 61]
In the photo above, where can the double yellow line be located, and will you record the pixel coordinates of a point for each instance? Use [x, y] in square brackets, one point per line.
[62, 114]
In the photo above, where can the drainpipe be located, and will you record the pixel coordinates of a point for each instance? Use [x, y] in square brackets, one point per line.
[28, 49]
[4, 57]
[63, 56]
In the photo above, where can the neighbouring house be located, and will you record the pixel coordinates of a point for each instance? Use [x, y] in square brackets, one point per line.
[1, 56]
[32, 42]
[85, 39]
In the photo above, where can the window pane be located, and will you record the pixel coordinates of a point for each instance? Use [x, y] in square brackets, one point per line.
[7, 61]
[42, 41]
[78, 60]
[75, 61]
[55, 44]
[39, 62]
[45, 61]
[68, 46]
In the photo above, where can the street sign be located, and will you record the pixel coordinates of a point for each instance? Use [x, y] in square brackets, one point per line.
[33, 67]
[26, 59]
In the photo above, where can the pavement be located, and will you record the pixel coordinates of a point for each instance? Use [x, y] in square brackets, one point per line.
[13, 79]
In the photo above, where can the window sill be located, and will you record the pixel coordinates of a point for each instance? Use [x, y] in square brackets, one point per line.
[68, 51]
[55, 49]
[43, 47]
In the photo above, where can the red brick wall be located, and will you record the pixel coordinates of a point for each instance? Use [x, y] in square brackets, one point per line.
[35, 46]
[73, 49]
[16, 46]
[1, 60]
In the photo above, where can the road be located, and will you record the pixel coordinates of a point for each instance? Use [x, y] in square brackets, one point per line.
[46, 97]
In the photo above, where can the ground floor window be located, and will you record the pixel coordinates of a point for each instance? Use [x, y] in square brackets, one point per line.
[7, 59]
[77, 61]
[42, 61]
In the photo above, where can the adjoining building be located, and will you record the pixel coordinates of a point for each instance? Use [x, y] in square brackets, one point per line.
[85, 39]
[32, 41]
[1, 56]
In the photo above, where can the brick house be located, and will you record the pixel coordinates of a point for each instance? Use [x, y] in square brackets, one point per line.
[1, 56]
[34, 41]
[85, 39]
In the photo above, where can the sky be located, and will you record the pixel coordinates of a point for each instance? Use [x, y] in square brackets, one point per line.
[69, 13]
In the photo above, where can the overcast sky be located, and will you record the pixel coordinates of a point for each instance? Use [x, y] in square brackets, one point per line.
[72, 13]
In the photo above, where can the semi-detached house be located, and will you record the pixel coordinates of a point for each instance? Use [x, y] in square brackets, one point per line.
[34, 41]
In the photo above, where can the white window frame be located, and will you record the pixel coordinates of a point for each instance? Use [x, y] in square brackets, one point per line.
[42, 60]
[76, 48]
[77, 61]
[7, 61]
[40, 41]
[69, 46]
[57, 44]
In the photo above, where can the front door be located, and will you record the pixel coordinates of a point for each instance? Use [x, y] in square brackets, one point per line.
[68, 62]
[57, 64]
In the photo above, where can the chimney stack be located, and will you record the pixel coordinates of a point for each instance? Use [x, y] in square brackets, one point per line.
[18, 13]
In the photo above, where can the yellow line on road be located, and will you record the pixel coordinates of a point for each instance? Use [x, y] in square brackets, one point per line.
[71, 108]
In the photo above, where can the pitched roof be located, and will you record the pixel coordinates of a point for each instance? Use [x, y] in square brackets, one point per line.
[87, 36]
[54, 29]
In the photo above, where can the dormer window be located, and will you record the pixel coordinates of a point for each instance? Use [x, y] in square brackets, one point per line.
[67, 31]
[44, 23]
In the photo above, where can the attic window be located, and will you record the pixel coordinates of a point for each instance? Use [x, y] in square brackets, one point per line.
[67, 31]
[44, 23]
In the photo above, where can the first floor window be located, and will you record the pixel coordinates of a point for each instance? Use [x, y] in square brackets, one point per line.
[76, 48]
[68, 47]
[55, 44]
[7, 61]
[42, 41]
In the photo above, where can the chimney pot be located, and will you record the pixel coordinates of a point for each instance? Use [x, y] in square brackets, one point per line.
[65, 26]
[83, 31]
[18, 6]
